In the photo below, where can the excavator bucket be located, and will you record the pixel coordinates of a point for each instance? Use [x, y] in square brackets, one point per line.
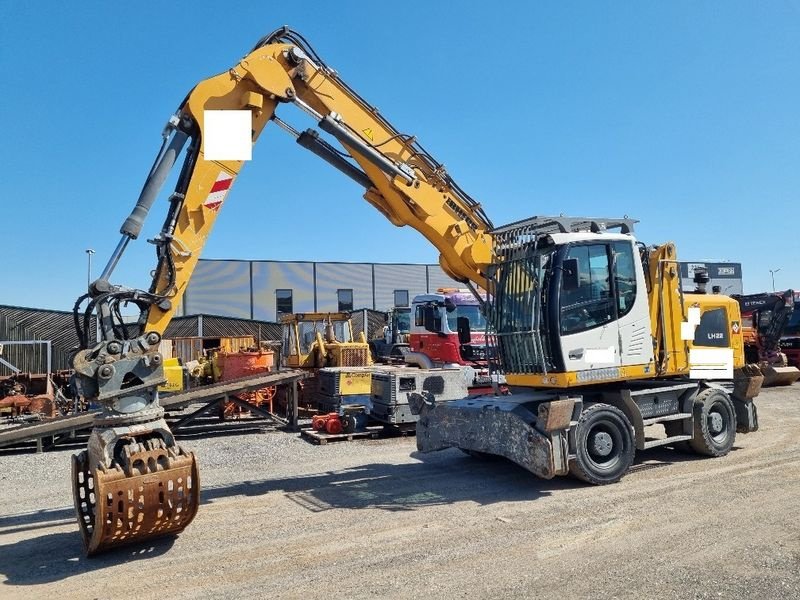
[157, 493]
[779, 375]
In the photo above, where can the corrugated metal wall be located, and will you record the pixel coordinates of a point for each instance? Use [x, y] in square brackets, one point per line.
[270, 276]
[20, 324]
[388, 278]
[222, 289]
[335, 276]
[216, 326]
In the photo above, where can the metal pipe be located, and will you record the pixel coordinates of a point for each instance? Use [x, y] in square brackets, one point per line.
[337, 130]
[133, 224]
[310, 140]
[115, 256]
[285, 126]
[330, 125]
[307, 109]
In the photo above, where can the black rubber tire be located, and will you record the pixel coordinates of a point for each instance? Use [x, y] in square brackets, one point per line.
[349, 423]
[714, 423]
[607, 426]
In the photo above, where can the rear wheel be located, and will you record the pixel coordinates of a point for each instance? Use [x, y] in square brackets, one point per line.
[604, 445]
[714, 423]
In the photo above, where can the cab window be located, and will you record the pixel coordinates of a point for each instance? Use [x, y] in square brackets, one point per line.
[713, 329]
[585, 298]
[419, 316]
[624, 277]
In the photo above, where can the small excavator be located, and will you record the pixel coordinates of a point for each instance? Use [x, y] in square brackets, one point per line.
[764, 319]
[595, 337]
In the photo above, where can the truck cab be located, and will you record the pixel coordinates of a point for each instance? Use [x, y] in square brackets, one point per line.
[450, 328]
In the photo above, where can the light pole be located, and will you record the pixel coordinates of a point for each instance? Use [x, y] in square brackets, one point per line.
[89, 253]
[772, 273]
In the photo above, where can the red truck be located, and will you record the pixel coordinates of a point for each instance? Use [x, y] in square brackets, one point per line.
[449, 328]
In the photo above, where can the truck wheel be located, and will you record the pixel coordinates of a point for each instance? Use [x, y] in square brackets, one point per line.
[604, 447]
[714, 423]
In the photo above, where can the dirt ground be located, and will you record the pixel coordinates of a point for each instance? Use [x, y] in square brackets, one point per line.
[283, 518]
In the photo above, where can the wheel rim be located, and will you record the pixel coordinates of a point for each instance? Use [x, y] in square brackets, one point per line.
[719, 424]
[604, 445]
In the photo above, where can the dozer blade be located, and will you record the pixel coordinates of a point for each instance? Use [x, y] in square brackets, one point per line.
[779, 375]
[155, 494]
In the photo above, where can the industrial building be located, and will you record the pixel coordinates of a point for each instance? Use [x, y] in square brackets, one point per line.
[264, 289]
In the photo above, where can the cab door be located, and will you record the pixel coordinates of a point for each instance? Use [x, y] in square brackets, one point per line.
[589, 333]
[633, 311]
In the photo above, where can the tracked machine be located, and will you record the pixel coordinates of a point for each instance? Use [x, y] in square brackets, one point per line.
[592, 329]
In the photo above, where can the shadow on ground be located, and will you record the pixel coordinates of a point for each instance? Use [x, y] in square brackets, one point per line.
[57, 556]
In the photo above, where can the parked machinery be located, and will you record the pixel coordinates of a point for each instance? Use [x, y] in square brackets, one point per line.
[790, 340]
[317, 340]
[765, 318]
[393, 345]
[591, 326]
[325, 343]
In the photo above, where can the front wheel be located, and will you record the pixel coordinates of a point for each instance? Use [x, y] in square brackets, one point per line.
[604, 445]
[714, 423]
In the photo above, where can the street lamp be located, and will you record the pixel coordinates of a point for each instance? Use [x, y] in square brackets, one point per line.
[772, 273]
[89, 253]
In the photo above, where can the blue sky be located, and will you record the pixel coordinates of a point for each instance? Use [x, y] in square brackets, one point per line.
[681, 114]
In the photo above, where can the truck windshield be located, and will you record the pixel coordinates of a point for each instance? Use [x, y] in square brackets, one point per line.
[472, 312]
[793, 326]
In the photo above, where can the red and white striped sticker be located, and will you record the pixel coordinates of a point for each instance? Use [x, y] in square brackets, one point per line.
[217, 194]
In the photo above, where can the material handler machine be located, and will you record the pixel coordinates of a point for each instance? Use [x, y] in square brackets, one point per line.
[593, 332]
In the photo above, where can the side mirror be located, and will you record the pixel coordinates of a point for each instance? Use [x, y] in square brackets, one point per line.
[432, 320]
[569, 275]
[449, 305]
[464, 333]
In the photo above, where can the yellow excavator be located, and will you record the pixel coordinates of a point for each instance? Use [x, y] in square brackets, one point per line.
[592, 330]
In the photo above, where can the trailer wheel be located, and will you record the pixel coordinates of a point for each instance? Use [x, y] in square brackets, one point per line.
[604, 446]
[714, 423]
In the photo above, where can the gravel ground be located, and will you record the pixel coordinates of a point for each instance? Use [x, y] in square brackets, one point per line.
[281, 517]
